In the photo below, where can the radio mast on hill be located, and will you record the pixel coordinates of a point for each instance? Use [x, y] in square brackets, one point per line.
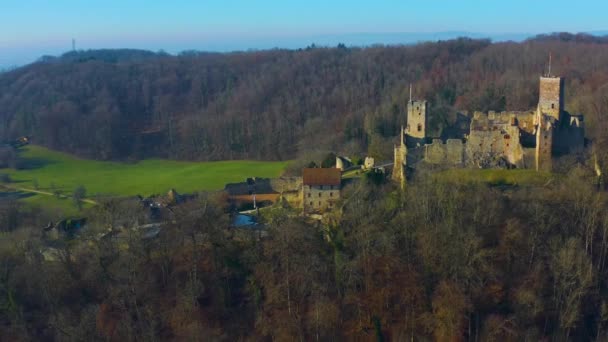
[73, 45]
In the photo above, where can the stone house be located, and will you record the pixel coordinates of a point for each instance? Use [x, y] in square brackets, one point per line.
[320, 189]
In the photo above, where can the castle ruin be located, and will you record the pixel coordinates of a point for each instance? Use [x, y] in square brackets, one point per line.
[529, 139]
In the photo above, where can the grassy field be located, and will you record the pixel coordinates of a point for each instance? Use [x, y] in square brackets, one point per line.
[497, 176]
[53, 170]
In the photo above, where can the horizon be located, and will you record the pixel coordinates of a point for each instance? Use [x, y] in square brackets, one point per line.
[352, 40]
[239, 25]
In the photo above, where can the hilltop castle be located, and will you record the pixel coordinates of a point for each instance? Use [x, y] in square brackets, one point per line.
[507, 139]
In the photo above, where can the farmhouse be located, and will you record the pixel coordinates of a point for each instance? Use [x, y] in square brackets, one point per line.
[320, 189]
[265, 190]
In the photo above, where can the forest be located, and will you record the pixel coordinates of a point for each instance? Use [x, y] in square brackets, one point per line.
[444, 259]
[439, 261]
[281, 104]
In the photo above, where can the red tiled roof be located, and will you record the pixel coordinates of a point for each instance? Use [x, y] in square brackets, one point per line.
[321, 176]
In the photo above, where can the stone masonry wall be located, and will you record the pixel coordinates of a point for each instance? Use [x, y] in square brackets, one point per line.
[319, 198]
[286, 184]
[449, 154]
[265, 186]
[551, 96]
[491, 148]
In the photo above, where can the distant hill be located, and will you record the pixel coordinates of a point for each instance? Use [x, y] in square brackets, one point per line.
[104, 55]
[277, 104]
[19, 56]
[571, 37]
[397, 38]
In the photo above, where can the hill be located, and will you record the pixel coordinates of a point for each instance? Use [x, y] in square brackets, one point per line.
[277, 104]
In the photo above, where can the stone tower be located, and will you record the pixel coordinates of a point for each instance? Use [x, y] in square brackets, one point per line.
[400, 161]
[548, 115]
[544, 142]
[551, 97]
[416, 122]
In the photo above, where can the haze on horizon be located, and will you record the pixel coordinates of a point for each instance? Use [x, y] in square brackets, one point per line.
[32, 28]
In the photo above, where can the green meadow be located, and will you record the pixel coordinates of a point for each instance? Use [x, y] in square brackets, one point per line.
[54, 171]
[497, 177]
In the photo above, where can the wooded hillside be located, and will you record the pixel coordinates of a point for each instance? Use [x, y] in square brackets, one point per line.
[126, 104]
[442, 261]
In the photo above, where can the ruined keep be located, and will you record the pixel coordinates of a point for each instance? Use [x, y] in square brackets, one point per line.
[529, 139]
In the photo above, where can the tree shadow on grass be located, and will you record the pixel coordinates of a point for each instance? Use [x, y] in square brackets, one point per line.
[15, 195]
[34, 163]
[17, 181]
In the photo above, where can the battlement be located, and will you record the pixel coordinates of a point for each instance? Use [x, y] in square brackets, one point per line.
[521, 139]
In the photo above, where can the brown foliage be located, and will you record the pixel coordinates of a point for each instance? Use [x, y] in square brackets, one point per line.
[115, 104]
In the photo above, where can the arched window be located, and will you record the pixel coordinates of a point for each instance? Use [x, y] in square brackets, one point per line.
[419, 127]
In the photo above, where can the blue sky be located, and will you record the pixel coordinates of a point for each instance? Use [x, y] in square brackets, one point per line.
[30, 28]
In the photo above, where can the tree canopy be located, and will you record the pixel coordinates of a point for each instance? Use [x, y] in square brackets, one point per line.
[278, 104]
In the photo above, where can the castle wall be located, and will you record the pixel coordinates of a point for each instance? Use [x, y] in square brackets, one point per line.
[570, 137]
[455, 152]
[399, 165]
[522, 139]
[293, 198]
[494, 141]
[286, 184]
[435, 153]
[498, 140]
[415, 155]
[449, 154]
[544, 143]
[529, 157]
[265, 186]
[524, 120]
